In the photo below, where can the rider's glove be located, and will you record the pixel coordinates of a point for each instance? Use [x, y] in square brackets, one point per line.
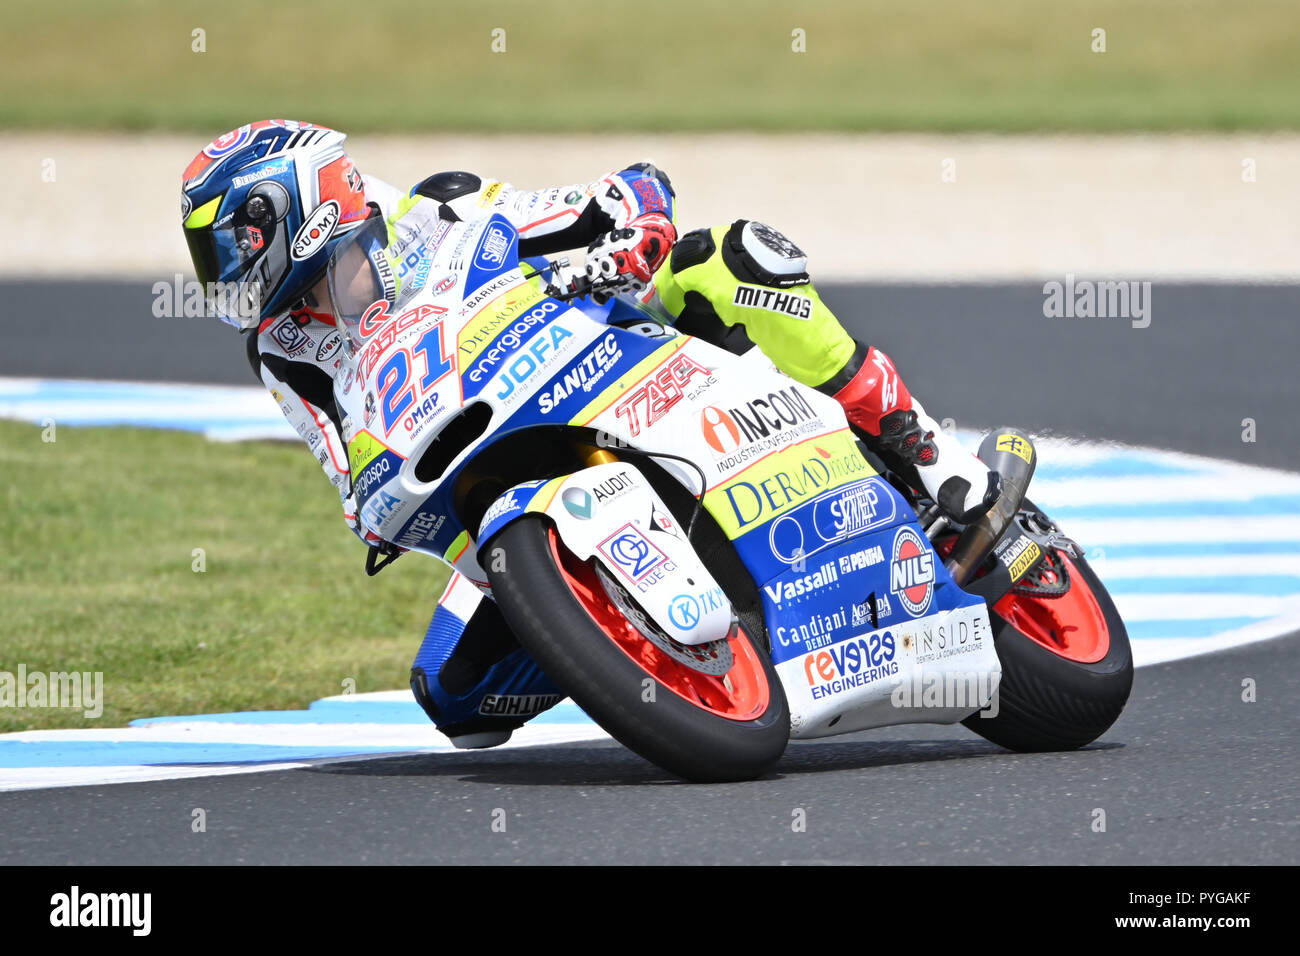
[629, 257]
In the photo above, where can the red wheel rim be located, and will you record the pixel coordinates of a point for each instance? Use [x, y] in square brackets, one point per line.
[1071, 625]
[740, 694]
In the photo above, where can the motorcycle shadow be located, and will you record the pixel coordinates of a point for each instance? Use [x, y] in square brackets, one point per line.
[604, 763]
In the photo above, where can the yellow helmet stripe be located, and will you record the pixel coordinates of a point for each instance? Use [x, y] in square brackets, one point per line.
[204, 215]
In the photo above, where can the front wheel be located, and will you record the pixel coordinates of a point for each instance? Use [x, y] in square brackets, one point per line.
[1067, 668]
[709, 713]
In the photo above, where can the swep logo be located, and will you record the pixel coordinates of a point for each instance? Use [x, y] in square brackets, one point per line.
[493, 248]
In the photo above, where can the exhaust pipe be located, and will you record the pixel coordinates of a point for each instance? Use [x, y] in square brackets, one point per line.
[1010, 453]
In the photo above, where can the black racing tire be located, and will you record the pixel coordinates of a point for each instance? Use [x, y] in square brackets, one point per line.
[535, 590]
[1048, 701]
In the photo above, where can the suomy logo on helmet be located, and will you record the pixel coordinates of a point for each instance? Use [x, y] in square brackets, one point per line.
[316, 231]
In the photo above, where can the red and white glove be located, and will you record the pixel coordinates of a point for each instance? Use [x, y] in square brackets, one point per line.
[629, 257]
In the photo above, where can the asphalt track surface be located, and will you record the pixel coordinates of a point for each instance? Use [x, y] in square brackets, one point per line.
[1191, 774]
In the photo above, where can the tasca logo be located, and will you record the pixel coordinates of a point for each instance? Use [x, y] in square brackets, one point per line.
[911, 572]
[316, 231]
[652, 400]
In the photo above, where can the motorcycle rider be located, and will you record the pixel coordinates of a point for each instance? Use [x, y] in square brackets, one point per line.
[265, 206]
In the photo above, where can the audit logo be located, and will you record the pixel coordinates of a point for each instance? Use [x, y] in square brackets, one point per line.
[578, 503]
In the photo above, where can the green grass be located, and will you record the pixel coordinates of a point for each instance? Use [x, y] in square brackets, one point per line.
[415, 65]
[96, 575]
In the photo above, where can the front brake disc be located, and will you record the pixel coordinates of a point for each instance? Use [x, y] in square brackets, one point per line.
[713, 658]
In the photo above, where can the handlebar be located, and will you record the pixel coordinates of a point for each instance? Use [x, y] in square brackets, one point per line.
[583, 285]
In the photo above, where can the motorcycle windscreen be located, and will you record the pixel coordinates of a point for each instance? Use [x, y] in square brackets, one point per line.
[360, 281]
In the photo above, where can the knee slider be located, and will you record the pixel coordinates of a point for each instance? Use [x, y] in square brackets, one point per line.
[445, 187]
[757, 253]
[420, 688]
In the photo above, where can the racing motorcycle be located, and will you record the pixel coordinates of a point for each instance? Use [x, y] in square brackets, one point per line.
[697, 549]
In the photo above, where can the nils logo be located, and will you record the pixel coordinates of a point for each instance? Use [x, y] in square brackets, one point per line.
[911, 572]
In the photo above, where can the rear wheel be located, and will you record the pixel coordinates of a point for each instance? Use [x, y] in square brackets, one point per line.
[1067, 668]
[709, 713]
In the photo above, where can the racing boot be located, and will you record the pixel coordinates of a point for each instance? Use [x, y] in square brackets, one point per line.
[910, 442]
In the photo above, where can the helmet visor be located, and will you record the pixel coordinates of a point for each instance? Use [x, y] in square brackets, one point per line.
[246, 254]
[243, 257]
